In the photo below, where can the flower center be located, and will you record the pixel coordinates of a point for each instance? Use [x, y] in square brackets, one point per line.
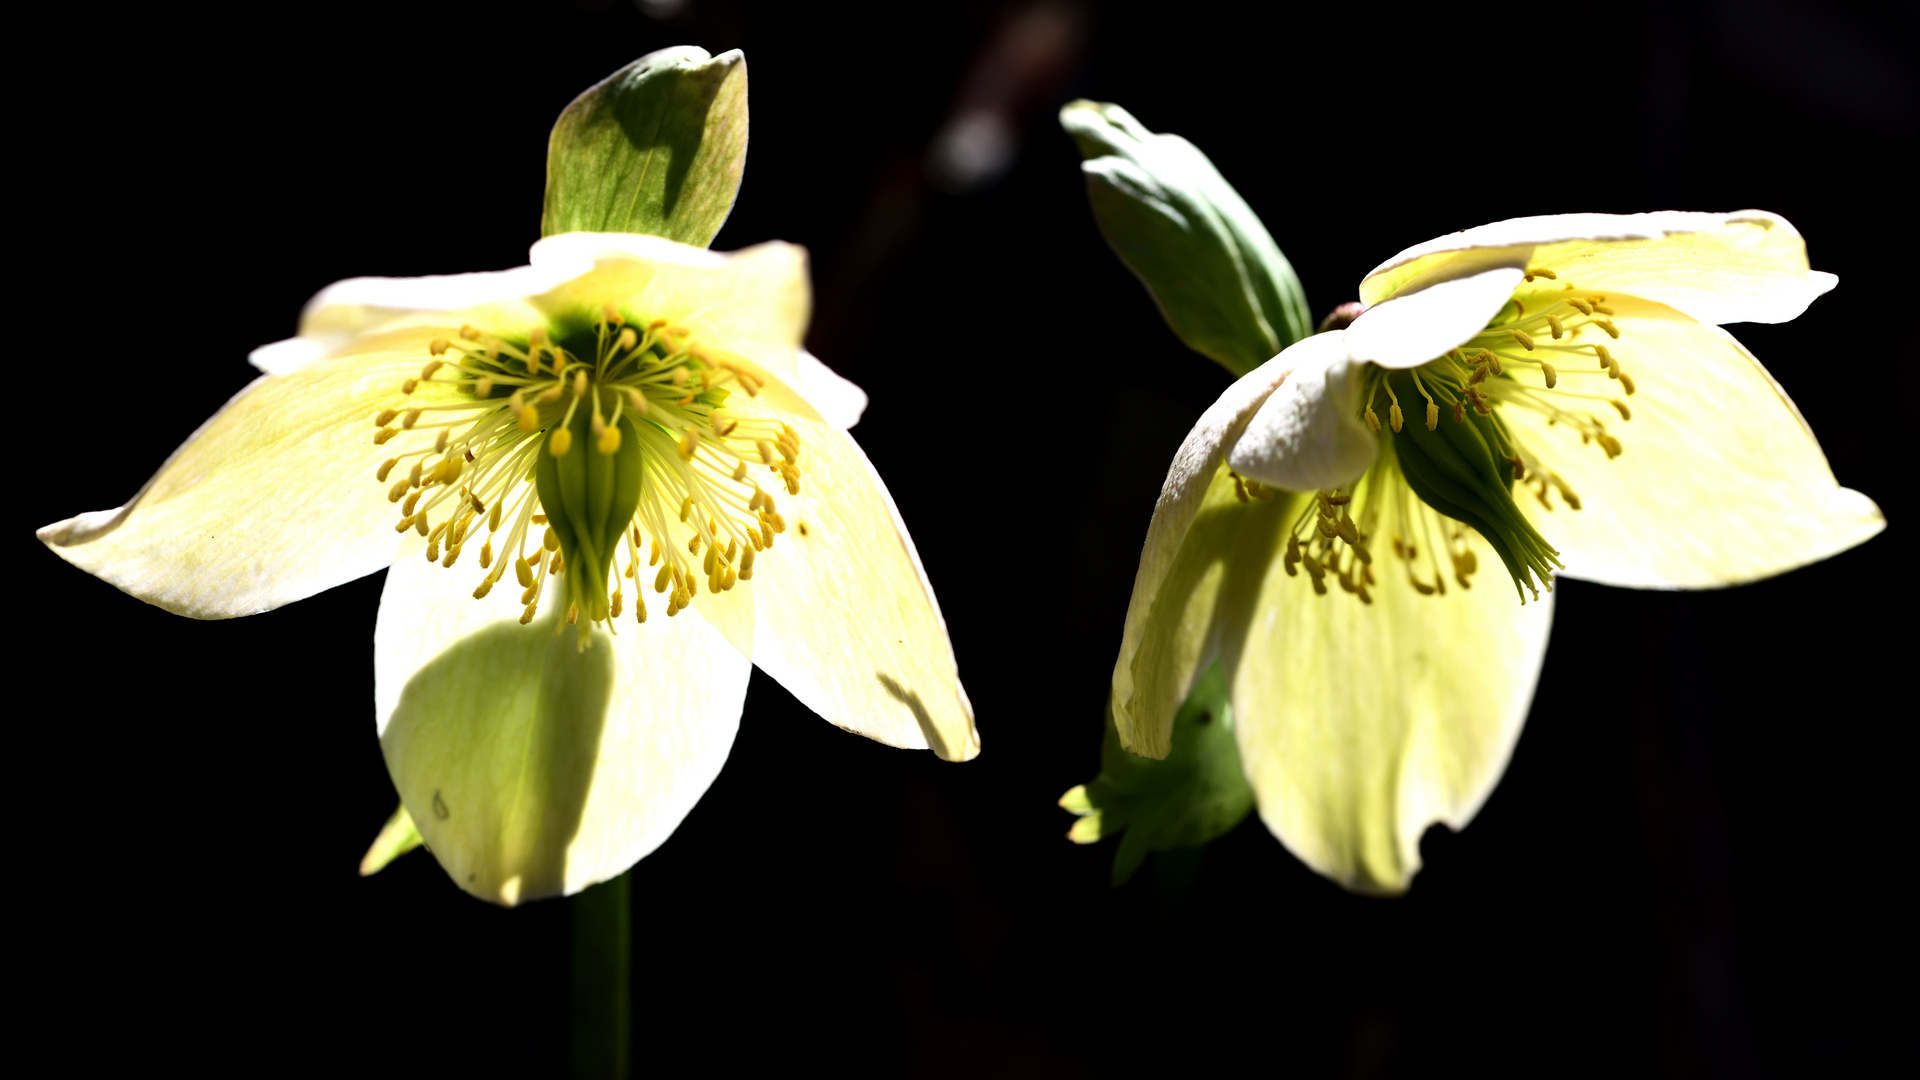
[1460, 460]
[580, 439]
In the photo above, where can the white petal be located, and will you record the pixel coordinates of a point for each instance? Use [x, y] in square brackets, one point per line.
[1719, 481]
[1359, 725]
[844, 616]
[533, 768]
[1435, 312]
[1747, 266]
[1151, 680]
[836, 398]
[1308, 434]
[272, 500]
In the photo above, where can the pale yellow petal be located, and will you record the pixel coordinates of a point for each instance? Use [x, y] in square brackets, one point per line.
[1719, 480]
[496, 301]
[749, 306]
[533, 768]
[1159, 619]
[1308, 435]
[844, 616]
[1361, 724]
[1747, 266]
[1428, 317]
[272, 500]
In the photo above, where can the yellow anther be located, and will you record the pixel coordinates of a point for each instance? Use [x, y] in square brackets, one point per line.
[469, 333]
[686, 507]
[609, 441]
[1626, 381]
[431, 367]
[486, 586]
[639, 607]
[412, 501]
[679, 376]
[1579, 305]
[420, 524]
[483, 386]
[1607, 325]
[527, 594]
[614, 605]
[739, 471]
[486, 554]
[527, 615]
[556, 566]
[559, 442]
[550, 540]
[1625, 414]
[689, 442]
[1540, 271]
[712, 560]
[414, 474]
[693, 544]
[1519, 468]
[746, 564]
[385, 417]
[1347, 531]
[779, 523]
[1553, 324]
[538, 519]
[660, 579]
[440, 440]
[533, 362]
[386, 467]
[398, 489]
[1396, 418]
[1552, 376]
[1608, 443]
[727, 579]
[493, 518]
[403, 525]
[439, 346]
[449, 469]
[380, 437]
[1373, 420]
[766, 451]
[1459, 412]
[1433, 416]
[1521, 336]
[1327, 526]
[1600, 307]
[411, 418]
[550, 395]
[637, 401]
[452, 556]
[1420, 587]
[439, 530]
[580, 383]
[408, 386]
[529, 419]
[628, 339]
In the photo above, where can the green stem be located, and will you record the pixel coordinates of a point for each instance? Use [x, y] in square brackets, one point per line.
[602, 1017]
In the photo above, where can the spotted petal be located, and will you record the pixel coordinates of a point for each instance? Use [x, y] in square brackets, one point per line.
[1720, 480]
[272, 500]
[844, 616]
[1164, 641]
[533, 768]
[1747, 266]
[1360, 724]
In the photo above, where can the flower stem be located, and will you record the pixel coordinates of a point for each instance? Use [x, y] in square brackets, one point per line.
[602, 1012]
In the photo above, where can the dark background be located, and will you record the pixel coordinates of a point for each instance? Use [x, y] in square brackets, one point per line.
[1693, 866]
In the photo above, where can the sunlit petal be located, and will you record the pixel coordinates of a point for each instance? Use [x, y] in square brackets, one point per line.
[1160, 643]
[272, 500]
[1719, 481]
[531, 767]
[1307, 434]
[1428, 318]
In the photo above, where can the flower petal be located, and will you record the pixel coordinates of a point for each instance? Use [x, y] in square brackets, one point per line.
[1361, 724]
[1308, 434]
[1437, 311]
[533, 768]
[1161, 642]
[272, 500]
[1747, 266]
[748, 306]
[1719, 481]
[844, 616]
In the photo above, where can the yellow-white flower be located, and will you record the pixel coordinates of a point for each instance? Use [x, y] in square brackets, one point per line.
[1550, 395]
[624, 430]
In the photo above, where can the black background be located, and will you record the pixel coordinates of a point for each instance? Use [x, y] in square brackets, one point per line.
[1694, 865]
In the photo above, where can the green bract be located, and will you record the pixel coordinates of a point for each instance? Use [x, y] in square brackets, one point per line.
[1194, 796]
[658, 148]
[1210, 264]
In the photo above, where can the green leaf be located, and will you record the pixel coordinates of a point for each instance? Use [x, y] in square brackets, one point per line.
[657, 148]
[1210, 264]
[396, 838]
[1197, 793]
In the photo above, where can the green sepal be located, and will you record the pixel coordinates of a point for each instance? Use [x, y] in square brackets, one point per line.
[397, 837]
[657, 148]
[1212, 267]
[1196, 794]
[589, 498]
